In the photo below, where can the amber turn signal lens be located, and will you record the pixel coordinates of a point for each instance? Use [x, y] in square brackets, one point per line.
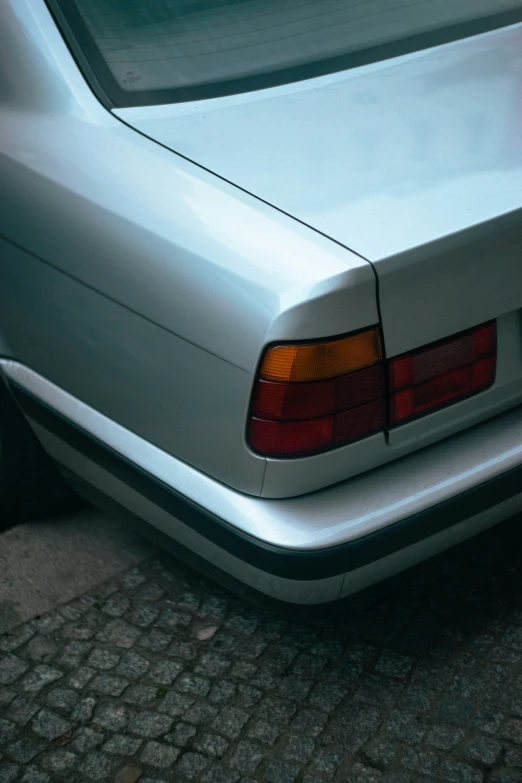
[318, 361]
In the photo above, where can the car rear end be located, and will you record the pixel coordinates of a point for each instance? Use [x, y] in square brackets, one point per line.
[307, 389]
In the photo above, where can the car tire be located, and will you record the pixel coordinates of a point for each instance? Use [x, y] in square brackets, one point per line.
[31, 486]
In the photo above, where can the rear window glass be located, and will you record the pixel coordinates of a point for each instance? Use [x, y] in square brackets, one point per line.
[147, 51]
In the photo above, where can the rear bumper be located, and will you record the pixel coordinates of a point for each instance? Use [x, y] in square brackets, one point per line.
[311, 549]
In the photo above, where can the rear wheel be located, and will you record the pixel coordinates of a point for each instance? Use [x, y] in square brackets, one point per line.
[31, 486]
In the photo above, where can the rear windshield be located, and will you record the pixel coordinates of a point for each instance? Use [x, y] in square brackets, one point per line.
[157, 51]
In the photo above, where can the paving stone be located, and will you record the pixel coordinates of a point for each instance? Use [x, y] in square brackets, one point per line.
[109, 685]
[247, 697]
[150, 724]
[103, 659]
[34, 775]
[444, 737]
[417, 698]
[12, 641]
[361, 774]
[456, 772]
[265, 732]
[184, 650]
[212, 665]
[133, 666]
[309, 722]
[381, 691]
[151, 780]
[171, 619]
[484, 750]
[294, 688]
[7, 694]
[120, 745]
[230, 722]
[455, 710]
[8, 772]
[8, 731]
[405, 727]
[79, 678]
[49, 725]
[393, 664]
[155, 640]
[247, 756]
[276, 710]
[132, 579]
[165, 672]
[41, 649]
[421, 761]
[140, 694]
[151, 593]
[299, 749]
[243, 670]
[211, 745]
[62, 699]
[201, 713]
[96, 766]
[112, 717]
[24, 750]
[513, 757]
[48, 623]
[222, 692]
[281, 772]
[83, 710]
[11, 668]
[488, 720]
[116, 605]
[176, 704]
[157, 754]
[379, 754]
[220, 774]
[86, 740]
[145, 615]
[181, 734]
[191, 764]
[77, 631]
[327, 761]
[58, 762]
[21, 710]
[191, 683]
[512, 730]
[119, 633]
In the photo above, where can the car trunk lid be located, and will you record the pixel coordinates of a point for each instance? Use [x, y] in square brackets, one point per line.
[414, 163]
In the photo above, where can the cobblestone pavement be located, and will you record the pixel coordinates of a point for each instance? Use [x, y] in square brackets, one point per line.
[162, 676]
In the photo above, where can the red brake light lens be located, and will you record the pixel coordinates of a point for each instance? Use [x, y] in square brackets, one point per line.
[299, 438]
[442, 373]
[317, 396]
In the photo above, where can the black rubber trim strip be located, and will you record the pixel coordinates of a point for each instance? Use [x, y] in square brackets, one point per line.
[103, 83]
[286, 563]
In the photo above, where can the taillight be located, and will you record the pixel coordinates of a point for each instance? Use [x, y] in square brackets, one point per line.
[442, 373]
[317, 396]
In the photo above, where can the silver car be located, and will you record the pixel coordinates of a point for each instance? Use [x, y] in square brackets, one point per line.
[261, 276]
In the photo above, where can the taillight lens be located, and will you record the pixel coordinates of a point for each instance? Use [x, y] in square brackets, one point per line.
[317, 396]
[442, 373]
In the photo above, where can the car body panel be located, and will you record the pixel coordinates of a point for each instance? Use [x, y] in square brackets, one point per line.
[415, 163]
[352, 512]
